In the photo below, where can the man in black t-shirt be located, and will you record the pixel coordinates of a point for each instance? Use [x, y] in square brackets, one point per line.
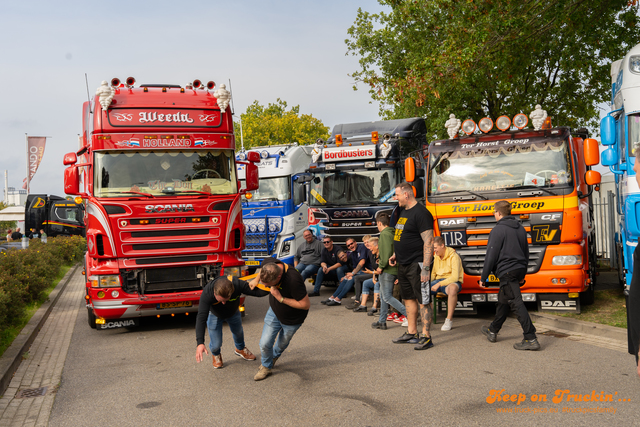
[288, 308]
[219, 303]
[413, 243]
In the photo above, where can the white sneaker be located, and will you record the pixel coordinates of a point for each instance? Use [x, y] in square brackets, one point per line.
[447, 325]
[405, 323]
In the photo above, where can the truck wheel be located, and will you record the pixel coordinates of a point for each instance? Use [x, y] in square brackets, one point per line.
[588, 297]
[92, 317]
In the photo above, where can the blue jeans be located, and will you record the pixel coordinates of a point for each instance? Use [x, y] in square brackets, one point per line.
[345, 286]
[214, 324]
[307, 270]
[338, 274]
[386, 297]
[368, 285]
[272, 329]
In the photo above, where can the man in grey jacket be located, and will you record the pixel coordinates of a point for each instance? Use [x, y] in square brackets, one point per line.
[308, 256]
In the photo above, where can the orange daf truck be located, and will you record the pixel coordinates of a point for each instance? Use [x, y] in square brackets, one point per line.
[545, 174]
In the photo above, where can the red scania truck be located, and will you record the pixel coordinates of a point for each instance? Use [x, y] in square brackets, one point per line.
[156, 167]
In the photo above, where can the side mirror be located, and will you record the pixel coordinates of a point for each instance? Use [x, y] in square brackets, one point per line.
[253, 157]
[591, 152]
[609, 157]
[70, 159]
[251, 177]
[608, 130]
[409, 169]
[592, 177]
[71, 180]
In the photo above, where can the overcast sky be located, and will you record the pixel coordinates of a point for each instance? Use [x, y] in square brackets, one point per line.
[290, 49]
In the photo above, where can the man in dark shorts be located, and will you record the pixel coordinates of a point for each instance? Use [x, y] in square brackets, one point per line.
[413, 243]
[288, 308]
[219, 303]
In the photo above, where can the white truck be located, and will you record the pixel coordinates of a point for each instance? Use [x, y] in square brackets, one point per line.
[276, 214]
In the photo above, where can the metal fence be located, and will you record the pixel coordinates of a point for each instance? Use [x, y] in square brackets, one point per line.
[606, 222]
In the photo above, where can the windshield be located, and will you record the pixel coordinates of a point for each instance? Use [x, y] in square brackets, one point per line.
[270, 189]
[542, 164]
[164, 173]
[357, 187]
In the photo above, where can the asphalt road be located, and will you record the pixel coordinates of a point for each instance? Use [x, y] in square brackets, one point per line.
[337, 371]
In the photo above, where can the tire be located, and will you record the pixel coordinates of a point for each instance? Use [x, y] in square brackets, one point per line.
[588, 297]
[92, 318]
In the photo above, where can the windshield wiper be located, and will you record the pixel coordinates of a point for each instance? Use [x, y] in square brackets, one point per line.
[519, 187]
[189, 192]
[463, 191]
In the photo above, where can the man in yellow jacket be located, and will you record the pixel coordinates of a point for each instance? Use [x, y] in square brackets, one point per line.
[446, 276]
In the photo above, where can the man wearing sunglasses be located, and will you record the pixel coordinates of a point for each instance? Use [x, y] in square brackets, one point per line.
[360, 259]
[330, 266]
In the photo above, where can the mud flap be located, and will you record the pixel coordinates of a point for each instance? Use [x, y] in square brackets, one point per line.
[558, 303]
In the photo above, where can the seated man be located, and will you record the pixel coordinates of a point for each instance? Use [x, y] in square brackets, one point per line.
[330, 266]
[371, 284]
[360, 259]
[307, 258]
[446, 276]
[360, 279]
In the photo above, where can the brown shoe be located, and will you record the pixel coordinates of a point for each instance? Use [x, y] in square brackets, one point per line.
[262, 373]
[217, 361]
[245, 354]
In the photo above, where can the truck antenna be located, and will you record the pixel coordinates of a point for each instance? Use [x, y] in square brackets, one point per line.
[88, 96]
[231, 92]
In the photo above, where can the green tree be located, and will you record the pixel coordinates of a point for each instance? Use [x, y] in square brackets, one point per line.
[5, 225]
[477, 58]
[273, 124]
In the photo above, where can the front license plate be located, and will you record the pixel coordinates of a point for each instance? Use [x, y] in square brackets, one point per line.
[174, 304]
[492, 278]
[252, 263]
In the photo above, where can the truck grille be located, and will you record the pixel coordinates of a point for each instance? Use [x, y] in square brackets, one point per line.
[473, 259]
[261, 243]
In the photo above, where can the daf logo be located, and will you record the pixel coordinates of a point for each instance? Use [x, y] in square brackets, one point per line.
[351, 214]
[451, 222]
[169, 208]
[562, 304]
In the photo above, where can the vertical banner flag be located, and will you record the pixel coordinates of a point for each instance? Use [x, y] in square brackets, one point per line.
[35, 151]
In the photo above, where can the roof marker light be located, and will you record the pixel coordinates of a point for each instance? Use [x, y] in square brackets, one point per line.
[503, 123]
[547, 123]
[485, 124]
[469, 126]
[520, 121]
[374, 137]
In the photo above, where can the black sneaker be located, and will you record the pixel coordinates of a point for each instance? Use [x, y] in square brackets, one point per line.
[406, 338]
[378, 325]
[360, 308]
[314, 294]
[332, 302]
[532, 345]
[491, 336]
[424, 343]
[352, 305]
[324, 301]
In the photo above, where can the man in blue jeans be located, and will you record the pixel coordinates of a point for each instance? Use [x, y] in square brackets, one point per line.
[288, 308]
[308, 255]
[219, 303]
[359, 258]
[387, 273]
[330, 266]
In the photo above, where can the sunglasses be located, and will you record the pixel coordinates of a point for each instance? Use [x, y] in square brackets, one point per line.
[326, 242]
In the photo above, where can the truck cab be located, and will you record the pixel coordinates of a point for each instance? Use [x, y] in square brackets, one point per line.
[276, 214]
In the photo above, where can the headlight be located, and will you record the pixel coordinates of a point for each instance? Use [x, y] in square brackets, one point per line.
[261, 228]
[286, 248]
[232, 271]
[253, 228]
[273, 228]
[634, 64]
[110, 281]
[567, 260]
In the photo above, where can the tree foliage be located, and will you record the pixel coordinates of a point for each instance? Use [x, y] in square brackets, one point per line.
[273, 124]
[477, 58]
[5, 225]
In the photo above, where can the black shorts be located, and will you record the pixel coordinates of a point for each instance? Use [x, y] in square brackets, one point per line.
[411, 284]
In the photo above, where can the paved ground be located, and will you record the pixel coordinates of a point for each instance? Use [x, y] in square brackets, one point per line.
[338, 371]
